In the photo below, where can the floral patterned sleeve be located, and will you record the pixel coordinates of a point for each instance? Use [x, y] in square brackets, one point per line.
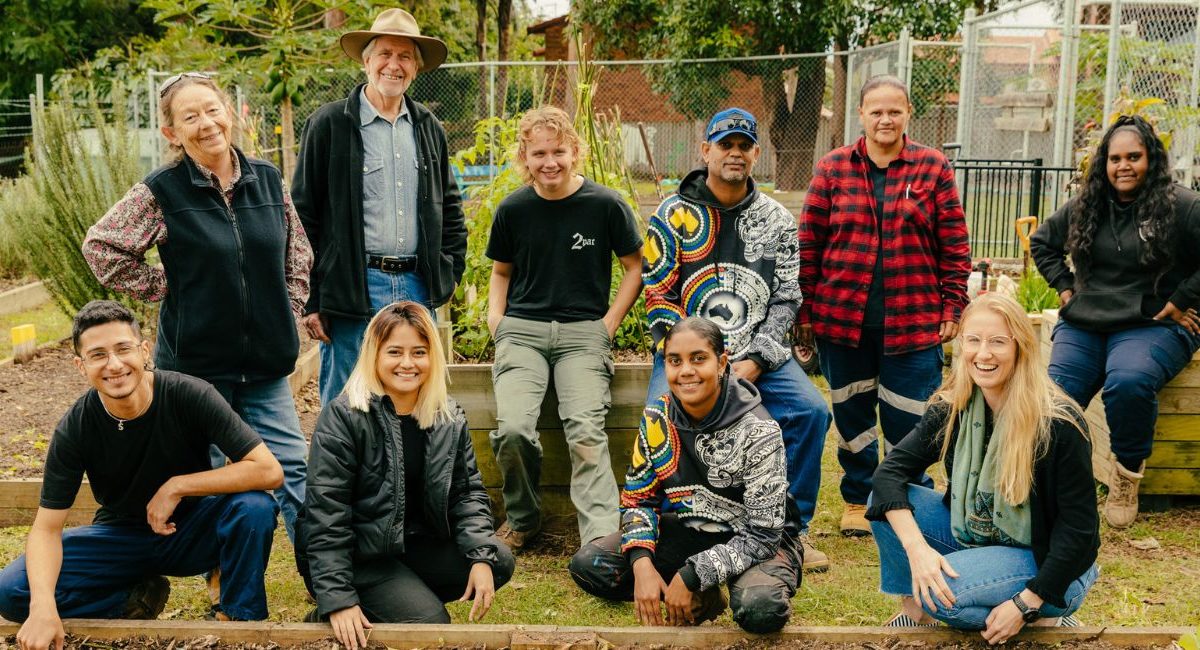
[115, 247]
[299, 258]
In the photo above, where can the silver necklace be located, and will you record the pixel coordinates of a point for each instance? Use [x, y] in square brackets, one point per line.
[121, 422]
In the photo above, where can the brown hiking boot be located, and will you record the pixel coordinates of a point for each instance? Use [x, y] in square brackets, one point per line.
[707, 605]
[516, 540]
[814, 560]
[1121, 508]
[213, 581]
[854, 521]
[147, 599]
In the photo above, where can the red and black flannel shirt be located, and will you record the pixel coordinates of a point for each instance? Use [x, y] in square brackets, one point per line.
[926, 256]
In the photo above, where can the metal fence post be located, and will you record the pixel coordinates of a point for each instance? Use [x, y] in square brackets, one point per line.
[1193, 101]
[1068, 67]
[1035, 189]
[851, 116]
[962, 130]
[1112, 68]
[905, 57]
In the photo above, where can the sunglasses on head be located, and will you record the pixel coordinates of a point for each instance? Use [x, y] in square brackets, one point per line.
[730, 123]
[166, 85]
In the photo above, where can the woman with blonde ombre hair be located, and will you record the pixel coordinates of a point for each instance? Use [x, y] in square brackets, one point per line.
[396, 521]
[1014, 539]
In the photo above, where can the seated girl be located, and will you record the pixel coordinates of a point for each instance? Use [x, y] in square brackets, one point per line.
[396, 521]
[1014, 539]
[704, 500]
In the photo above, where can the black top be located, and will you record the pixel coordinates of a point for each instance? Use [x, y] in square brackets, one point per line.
[127, 467]
[327, 191]
[412, 441]
[227, 315]
[561, 251]
[1066, 527]
[1117, 292]
[873, 313]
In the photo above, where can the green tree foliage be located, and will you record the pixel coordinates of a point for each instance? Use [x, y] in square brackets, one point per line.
[686, 29]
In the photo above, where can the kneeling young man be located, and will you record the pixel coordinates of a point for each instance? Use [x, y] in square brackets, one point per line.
[142, 438]
[552, 244]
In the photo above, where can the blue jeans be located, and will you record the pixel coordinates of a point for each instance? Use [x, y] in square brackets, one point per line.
[1131, 366]
[863, 378]
[346, 334]
[102, 563]
[270, 410]
[790, 397]
[987, 575]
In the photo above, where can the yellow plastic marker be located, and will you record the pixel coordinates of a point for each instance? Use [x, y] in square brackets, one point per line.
[24, 339]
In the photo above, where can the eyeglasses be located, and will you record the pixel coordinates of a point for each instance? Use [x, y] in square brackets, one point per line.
[166, 85]
[731, 123]
[99, 358]
[972, 342]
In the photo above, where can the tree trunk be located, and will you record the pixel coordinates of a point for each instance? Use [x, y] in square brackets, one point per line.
[481, 106]
[289, 137]
[794, 133]
[503, 38]
[837, 125]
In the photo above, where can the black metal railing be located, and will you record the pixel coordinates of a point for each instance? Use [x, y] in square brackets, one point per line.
[995, 193]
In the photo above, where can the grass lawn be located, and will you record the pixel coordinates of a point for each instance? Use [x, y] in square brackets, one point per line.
[49, 321]
[1136, 587]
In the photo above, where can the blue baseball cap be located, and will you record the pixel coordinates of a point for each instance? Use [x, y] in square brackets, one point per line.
[729, 121]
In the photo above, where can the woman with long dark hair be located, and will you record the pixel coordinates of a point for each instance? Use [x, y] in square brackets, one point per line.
[1128, 321]
[1013, 541]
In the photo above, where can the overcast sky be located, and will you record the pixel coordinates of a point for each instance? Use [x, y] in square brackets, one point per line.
[549, 8]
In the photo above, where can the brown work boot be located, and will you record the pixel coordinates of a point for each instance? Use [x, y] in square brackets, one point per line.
[147, 599]
[213, 581]
[854, 521]
[1121, 508]
[516, 540]
[707, 605]
[814, 560]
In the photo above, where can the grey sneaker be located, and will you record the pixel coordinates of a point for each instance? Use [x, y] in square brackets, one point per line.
[516, 540]
[147, 599]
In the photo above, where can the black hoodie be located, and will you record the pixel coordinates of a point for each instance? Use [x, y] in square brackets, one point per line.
[725, 474]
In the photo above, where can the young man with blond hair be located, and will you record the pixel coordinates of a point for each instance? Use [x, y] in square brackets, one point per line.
[551, 244]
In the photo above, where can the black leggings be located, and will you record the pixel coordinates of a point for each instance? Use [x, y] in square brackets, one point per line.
[760, 597]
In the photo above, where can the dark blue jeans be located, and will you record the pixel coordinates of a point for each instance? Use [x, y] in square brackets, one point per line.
[987, 575]
[1131, 366]
[790, 397]
[863, 378]
[102, 563]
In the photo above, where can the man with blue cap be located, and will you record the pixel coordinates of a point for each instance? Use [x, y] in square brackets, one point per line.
[722, 250]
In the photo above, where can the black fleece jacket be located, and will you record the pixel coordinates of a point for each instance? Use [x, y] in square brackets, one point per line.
[355, 507]
[1066, 526]
[327, 191]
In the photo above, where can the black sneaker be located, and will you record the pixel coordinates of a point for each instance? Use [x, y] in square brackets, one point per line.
[147, 599]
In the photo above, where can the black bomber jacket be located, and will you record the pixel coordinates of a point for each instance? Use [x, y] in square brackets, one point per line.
[354, 509]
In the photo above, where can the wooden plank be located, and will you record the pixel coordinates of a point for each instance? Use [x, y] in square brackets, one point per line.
[306, 368]
[556, 462]
[1177, 427]
[1037, 99]
[1171, 481]
[1174, 454]
[498, 636]
[471, 385]
[1034, 124]
[1179, 401]
[1189, 377]
[21, 497]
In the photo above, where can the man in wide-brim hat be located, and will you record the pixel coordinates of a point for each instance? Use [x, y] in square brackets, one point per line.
[374, 190]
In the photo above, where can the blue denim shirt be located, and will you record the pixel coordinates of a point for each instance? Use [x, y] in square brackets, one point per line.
[389, 178]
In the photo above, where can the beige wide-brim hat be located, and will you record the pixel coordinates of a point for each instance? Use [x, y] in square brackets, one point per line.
[396, 22]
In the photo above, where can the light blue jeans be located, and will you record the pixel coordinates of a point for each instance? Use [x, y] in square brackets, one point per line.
[346, 334]
[269, 409]
[790, 397]
[988, 575]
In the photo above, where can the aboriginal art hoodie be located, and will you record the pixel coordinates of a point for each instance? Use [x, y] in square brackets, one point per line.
[724, 475]
[737, 266]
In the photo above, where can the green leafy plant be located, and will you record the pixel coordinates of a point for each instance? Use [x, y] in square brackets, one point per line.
[15, 194]
[1189, 641]
[1034, 293]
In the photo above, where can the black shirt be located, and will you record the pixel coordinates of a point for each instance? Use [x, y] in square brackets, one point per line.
[1065, 525]
[873, 314]
[561, 251]
[412, 439]
[126, 467]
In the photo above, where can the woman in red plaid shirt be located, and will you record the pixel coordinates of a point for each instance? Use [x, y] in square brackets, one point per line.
[883, 269]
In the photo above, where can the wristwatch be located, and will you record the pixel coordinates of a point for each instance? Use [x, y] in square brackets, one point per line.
[1028, 614]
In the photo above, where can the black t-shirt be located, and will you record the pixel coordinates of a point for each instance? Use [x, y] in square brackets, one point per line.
[413, 441]
[873, 314]
[127, 467]
[561, 251]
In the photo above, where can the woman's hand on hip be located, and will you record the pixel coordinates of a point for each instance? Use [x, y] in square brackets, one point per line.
[1186, 317]
[482, 588]
[350, 627]
[929, 570]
